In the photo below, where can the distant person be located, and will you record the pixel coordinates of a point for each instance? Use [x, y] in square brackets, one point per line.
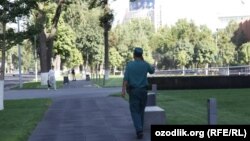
[51, 78]
[73, 74]
[135, 84]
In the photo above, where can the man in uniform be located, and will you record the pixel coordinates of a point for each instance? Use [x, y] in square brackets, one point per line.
[135, 83]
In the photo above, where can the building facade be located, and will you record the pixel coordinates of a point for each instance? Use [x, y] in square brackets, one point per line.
[244, 24]
[124, 11]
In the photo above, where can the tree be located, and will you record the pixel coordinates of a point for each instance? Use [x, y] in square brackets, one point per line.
[163, 43]
[244, 53]
[184, 51]
[84, 23]
[205, 50]
[106, 20]
[115, 58]
[226, 49]
[182, 29]
[135, 33]
[89, 35]
[46, 16]
[65, 46]
[11, 11]
[120, 39]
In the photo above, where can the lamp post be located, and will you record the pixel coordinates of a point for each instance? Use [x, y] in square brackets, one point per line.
[19, 58]
[35, 57]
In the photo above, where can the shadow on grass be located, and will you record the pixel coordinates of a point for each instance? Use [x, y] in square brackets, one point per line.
[36, 85]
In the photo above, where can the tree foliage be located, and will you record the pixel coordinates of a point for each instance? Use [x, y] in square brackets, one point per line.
[244, 53]
[65, 46]
[89, 37]
[11, 11]
[205, 49]
[46, 17]
[183, 52]
[226, 49]
[124, 38]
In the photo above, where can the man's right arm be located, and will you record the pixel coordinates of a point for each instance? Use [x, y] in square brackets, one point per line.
[151, 69]
[124, 86]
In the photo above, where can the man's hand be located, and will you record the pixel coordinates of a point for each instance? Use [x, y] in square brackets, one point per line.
[124, 85]
[123, 93]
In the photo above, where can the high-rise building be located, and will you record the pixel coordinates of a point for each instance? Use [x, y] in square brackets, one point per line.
[124, 11]
[224, 20]
[245, 27]
[150, 9]
[215, 14]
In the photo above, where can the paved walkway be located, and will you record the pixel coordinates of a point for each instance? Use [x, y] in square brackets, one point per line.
[82, 112]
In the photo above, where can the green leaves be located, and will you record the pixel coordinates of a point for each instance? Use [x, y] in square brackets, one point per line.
[124, 38]
[244, 53]
[65, 46]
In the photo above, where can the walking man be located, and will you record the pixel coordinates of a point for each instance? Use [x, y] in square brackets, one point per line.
[51, 78]
[135, 83]
[73, 74]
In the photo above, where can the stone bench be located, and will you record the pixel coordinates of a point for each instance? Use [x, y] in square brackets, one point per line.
[151, 100]
[154, 115]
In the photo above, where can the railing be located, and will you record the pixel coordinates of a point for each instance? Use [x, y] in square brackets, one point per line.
[230, 70]
[212, 71]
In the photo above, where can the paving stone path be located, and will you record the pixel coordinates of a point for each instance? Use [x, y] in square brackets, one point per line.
[82, 112]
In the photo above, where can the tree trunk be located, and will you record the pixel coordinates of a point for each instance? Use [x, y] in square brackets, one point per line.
[101, 69]
[3, 52]
[106, 53]
[43, 52]
[43, 57]
[46, 39]
[50, 42]
[206, 69]
[183, 70]
[2, 69]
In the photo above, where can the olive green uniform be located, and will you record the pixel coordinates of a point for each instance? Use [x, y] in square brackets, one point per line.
[136, 76]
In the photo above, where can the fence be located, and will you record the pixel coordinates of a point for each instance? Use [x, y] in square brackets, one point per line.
[213, 71]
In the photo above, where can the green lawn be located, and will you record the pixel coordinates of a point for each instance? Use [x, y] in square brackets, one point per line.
[113, 81]
[20, 117]
[190, 106]
[37, 85]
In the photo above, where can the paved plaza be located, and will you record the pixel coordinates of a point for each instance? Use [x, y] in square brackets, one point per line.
[81, 112]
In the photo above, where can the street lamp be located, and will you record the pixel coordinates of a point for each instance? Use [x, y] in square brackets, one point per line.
[19, 57]
[35, 57]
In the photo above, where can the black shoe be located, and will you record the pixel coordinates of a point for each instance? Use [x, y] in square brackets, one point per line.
[139, 135]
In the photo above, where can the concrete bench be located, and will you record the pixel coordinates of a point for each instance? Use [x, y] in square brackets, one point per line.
[151, 101]
[154, 115]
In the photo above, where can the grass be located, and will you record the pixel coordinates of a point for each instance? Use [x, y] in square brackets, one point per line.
[190, 106]
[37, 85]
[20, 117]
[113, 81]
